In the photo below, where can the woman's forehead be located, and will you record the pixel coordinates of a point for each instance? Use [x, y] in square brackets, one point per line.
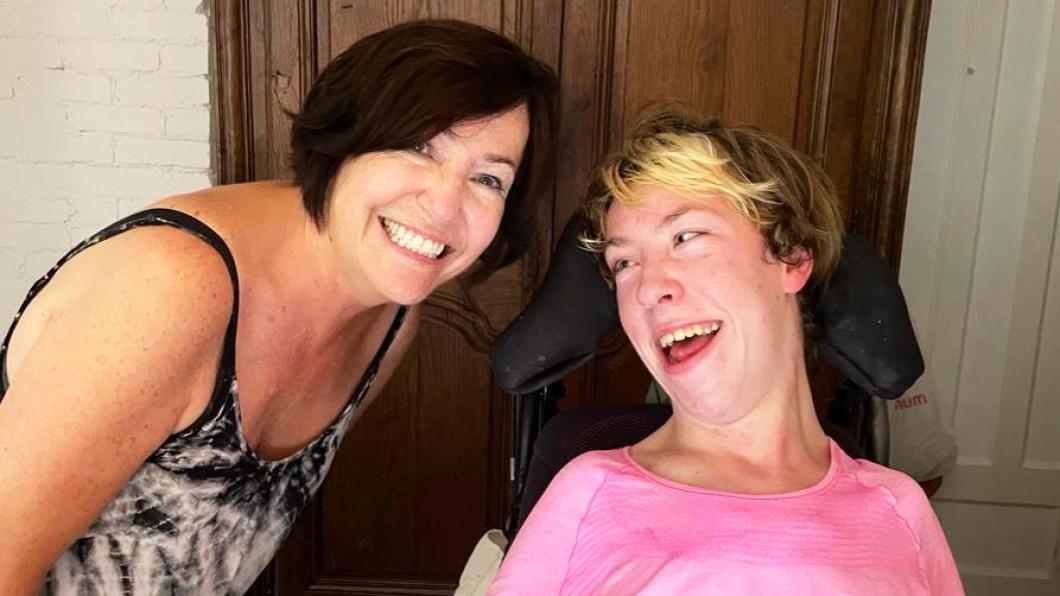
[656, 208]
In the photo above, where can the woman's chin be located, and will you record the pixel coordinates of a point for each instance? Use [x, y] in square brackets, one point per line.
[408, 296]
[707, 406]
[403, 287]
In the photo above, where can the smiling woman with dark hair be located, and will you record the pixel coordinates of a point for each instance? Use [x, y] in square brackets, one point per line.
[131, 460]
[370, 98]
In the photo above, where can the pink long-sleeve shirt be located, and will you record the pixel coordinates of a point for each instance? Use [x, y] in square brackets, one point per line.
[608, 526]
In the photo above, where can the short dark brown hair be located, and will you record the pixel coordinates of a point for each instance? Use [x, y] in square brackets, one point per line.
[401, 87]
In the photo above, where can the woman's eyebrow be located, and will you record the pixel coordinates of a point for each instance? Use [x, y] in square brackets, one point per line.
[672, 217]
[664, 221]
[489, 157]
[499, 159]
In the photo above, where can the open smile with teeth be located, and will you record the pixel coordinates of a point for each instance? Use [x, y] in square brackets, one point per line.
[687, 333]
[681, 344]
[409, 240]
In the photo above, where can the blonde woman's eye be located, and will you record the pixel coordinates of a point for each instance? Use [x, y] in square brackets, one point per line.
[684, 237]
[619, 265]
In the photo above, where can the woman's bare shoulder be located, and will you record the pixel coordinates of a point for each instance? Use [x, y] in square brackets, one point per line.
[146, 261]
[157, 271]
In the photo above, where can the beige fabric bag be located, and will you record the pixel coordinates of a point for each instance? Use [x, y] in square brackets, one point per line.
[919, 440]
[482, 567]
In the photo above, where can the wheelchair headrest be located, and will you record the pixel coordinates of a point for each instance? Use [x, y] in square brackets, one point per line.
[559, 330]
[865, 329]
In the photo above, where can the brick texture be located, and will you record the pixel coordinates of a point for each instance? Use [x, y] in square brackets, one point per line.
[104, 108]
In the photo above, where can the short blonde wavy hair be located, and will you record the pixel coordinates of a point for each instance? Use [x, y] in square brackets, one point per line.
[784, 193]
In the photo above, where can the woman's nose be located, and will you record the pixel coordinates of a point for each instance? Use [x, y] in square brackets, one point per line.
[444, 198]
[659, 283]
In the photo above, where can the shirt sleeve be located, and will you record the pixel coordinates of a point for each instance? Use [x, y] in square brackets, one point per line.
[935, 557]
[539, 557]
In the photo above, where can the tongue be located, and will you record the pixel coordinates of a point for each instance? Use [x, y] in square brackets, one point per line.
[683, 350]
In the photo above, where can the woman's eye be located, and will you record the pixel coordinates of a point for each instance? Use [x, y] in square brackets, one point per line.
[490, 181]
[684, 237]
[422, 148]
[619, 265]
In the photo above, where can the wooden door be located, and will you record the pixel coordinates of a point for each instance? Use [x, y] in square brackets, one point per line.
[426, 471]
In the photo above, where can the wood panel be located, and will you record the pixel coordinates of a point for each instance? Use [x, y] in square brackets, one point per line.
[670, 50]
[764, 69]
[426, 469]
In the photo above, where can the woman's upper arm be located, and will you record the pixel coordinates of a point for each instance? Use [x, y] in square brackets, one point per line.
[936, 558]
[538, 559]
[113, 371]
[934, 555]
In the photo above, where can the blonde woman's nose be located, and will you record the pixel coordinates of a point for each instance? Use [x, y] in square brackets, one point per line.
[657, 284]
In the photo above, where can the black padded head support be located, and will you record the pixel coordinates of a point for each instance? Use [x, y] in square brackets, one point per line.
[865, 329]
[562, 326]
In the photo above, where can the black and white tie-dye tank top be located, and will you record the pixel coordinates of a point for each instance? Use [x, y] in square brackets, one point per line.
[204, 514]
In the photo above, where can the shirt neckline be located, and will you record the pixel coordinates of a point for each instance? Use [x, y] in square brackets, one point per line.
[835, 453]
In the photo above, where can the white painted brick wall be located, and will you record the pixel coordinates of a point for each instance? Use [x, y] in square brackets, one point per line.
[104, 108]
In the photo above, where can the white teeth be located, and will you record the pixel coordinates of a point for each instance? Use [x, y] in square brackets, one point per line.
[688, 332]
[410, 240]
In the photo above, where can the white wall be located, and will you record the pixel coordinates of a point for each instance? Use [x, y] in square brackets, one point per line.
[104, 107]
[981, 271]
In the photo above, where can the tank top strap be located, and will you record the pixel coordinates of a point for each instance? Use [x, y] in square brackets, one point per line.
[373, 367]
[181, 220]
[148, 217]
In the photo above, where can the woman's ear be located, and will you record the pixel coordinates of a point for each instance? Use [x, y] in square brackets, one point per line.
[798, 267]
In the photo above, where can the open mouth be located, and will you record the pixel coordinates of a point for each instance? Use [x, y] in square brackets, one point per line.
[413, 241]
[681, 344]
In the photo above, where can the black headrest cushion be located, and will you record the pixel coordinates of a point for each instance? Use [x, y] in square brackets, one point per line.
[865, 328]
[559, 330]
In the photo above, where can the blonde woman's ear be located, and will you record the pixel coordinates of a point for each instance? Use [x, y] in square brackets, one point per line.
[798, 267]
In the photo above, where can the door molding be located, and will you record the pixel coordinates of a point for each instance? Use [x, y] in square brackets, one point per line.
[880, 208]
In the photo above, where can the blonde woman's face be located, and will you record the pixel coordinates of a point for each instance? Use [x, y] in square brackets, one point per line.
[708, 311]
